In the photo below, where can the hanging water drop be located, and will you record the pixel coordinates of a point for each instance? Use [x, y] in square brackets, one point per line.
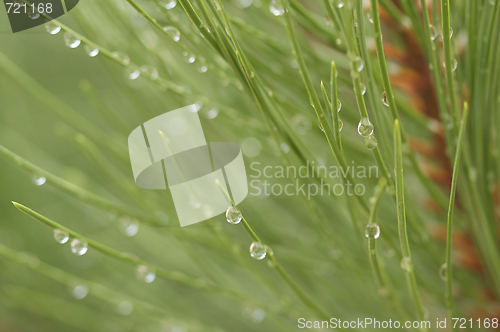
[433, 32]
[32, 13]
[454, 64]
[122, 57]
[71, 41]
[91, 51]
[150, 71]
[406, 264]
[169, 4]
[339, 105]
[201, 68]
[52, 28]
[233, 215]
[363, 89]
[369, 15]
[79, 247]
[145, 273]
[129, 226]
[442, 272]
[79, 292]
[276, 9]
[340, 3]
[372, 231]
[257, 250]
[341, 125]
[190, 58]
[358, 64]
[173, 33]
[451, 32]
[132, 73]
[38, 180]
[365, 127]
[384, 99]
[370, 142]
[60, 236]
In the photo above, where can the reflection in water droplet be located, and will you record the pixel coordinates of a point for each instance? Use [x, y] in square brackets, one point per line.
[79, 247]
[384, 99]
[145, 273]
[173, 33]
[91, 51]
[372, 231]
[276, 8]
[52, 28]
[71, 41]
[60, 236]
[38, 180]
[365, 127]
[257, 250]
[129, 226]
[169, 4]
[370, 142]
[233, 215]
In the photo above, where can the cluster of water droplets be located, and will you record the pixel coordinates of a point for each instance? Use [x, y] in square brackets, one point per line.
[78, 247]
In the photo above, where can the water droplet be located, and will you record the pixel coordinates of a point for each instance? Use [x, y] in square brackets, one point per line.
[169, 4]
[363, 89]
[201, 68]
[442, 272]
[212, 114]
[32, 13]
[257, 250]
[433, 32]
[91, 51]
[79, 247]
[451, 32]
[38, 180]
[233, 215]
[358, 64]
[320, 126]
[454, 64]
[52, 28]
[173, 33]
[122, 57]
[60, 236]
[339, 3]
[276, 8]
[372, 231]
[145, 273]
[150, 71]
[258, 315]
[339, 105]
[341, 125]
[129, 226]
[384, 99]
[370, 142]
[71, 41]
[125, 308]
[369, 16]
[79, 292]
[243, 3]
[190, 58]
[365, 127]
[406, 264]
[132, 73]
